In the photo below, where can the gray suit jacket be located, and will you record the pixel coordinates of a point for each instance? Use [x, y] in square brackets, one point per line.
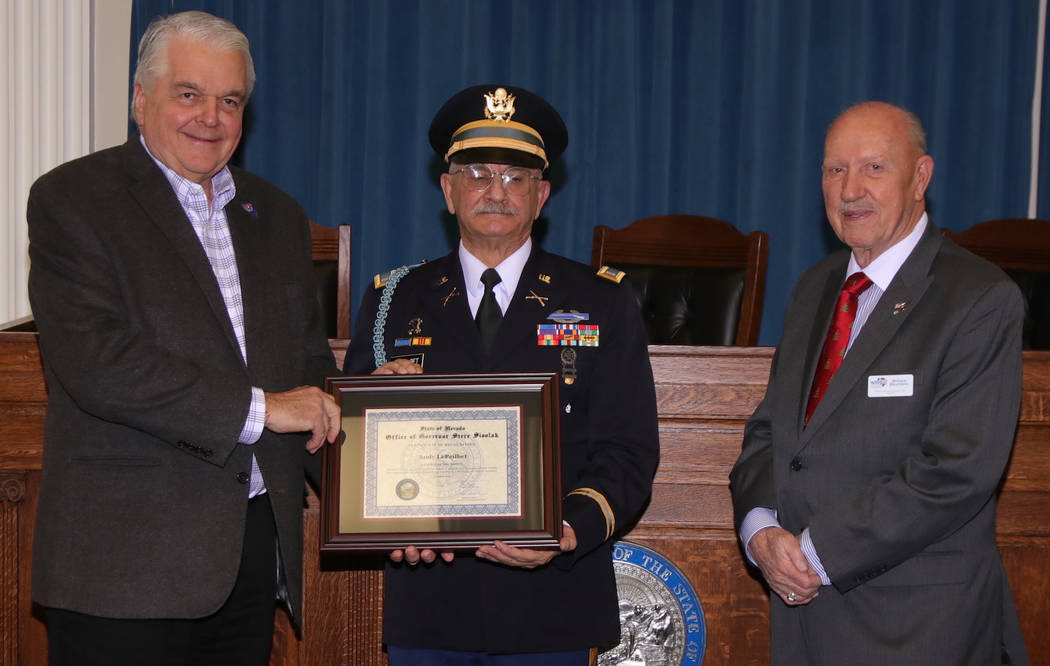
[144, 486]
[898, 492]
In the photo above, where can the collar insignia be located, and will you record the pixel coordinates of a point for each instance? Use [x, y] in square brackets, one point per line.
[454, 292]
[545, 278]
[533, 296]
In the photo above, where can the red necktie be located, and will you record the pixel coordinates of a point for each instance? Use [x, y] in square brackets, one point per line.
[838, 338]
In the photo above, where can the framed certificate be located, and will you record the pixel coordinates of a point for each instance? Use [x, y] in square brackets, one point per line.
[448, 462]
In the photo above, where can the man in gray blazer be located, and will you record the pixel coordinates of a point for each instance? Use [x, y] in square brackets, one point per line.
[179, 333]
[866, 493]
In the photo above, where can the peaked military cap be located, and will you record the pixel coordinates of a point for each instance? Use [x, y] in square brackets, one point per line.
[498, 124]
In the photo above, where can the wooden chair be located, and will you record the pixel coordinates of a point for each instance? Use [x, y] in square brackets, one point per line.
[1021, 247]
[330, 249]
[698, 280]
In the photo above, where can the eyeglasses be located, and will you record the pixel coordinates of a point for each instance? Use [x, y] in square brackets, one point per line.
[479, 177]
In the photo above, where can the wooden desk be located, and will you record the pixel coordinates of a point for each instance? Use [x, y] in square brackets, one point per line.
[704, 393]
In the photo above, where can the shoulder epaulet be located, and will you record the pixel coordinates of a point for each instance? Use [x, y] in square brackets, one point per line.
[609, 273]
[380, 279]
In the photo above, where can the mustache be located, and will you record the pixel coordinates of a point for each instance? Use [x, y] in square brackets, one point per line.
[492, 207]
[857, 207]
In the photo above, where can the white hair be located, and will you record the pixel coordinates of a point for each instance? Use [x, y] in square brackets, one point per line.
[215, 32]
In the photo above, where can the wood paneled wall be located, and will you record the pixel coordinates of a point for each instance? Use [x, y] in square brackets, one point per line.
[704, 394]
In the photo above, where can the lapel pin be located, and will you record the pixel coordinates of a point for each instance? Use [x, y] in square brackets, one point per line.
[415, 326]
[900, 307]
[249, 208]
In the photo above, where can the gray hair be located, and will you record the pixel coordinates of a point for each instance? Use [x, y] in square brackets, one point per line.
[202, 27]
[918, 134]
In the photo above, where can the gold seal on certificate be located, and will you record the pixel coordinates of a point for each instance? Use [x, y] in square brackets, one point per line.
[407, 489]
[443, 461]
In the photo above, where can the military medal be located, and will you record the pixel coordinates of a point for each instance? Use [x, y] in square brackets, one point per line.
[563, 317]
[568, 365]
[417, 341]
[567, 335]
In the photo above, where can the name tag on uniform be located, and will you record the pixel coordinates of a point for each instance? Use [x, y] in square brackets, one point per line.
[890, 386]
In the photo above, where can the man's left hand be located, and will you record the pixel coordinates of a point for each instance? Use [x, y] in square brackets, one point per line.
[526, 558]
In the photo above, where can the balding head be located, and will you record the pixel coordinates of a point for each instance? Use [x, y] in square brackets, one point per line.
[875, 175]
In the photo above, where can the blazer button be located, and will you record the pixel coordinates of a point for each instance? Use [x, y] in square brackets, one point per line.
[243, 477]
[796, 464]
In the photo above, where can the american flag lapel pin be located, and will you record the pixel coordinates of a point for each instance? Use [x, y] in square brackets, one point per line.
[249, 208]
[900, 307]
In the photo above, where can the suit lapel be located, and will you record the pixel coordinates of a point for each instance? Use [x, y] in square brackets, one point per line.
[446, 304]
[893, 309]
[153, 192]
[539, 290]
[250, 254]
[821, 318]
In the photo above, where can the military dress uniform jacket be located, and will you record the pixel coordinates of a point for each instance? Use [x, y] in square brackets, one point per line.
[609, 445]
[897, 487]
[144, 489]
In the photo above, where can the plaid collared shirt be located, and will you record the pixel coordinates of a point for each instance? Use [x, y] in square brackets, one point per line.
[213, 230]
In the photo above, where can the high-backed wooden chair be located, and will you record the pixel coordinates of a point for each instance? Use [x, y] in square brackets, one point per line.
[698, 280]
[1021, 247]
[330, 249]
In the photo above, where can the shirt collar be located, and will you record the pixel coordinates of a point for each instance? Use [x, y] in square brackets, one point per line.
[509, 269]
[884, 267]
[223, 188]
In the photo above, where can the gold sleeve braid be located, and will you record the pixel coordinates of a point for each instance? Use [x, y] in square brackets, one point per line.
[603, 504]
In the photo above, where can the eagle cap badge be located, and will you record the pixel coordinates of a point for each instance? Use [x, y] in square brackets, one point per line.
[499, 105]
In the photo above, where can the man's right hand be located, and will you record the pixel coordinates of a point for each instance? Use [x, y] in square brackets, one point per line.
[304, 409]
[778, 553]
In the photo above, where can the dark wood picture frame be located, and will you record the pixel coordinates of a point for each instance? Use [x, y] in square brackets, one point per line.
[345, 525]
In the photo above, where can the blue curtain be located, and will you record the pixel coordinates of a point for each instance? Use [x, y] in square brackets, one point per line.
[709, 107]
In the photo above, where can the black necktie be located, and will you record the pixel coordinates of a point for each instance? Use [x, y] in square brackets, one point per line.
[489, 315]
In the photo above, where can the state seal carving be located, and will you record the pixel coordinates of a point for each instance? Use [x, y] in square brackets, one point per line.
[661, 620]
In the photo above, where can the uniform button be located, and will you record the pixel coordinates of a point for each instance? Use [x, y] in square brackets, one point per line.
[796, 464]
[243, 477]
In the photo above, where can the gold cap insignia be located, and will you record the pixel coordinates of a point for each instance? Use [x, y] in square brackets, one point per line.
[499, 105]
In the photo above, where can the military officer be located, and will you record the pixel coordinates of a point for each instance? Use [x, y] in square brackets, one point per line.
[499, 303]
